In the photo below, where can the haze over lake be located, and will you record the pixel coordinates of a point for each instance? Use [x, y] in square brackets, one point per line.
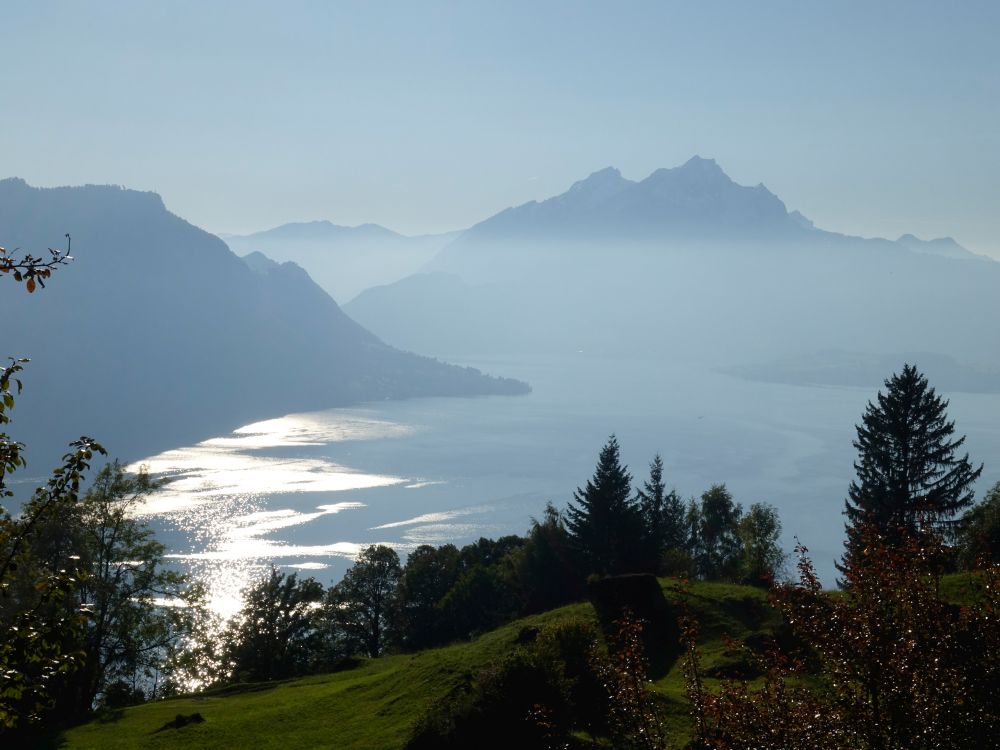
[308, 490]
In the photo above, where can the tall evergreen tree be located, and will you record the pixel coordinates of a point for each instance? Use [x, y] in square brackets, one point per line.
[604, 522]
[662, 514]
[907, 468]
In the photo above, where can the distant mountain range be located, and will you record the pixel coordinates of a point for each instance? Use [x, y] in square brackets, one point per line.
[693, 204]
[158, 335]
[686, 264]
[343, 260]
[864, 370]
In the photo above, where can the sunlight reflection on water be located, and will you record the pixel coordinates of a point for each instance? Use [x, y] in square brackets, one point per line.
[220, 495]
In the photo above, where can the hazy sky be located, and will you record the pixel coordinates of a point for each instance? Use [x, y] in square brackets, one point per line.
[430, 116]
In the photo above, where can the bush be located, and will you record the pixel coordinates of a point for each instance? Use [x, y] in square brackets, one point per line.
[535, 697]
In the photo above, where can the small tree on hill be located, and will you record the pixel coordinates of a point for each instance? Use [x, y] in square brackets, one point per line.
[128, 633]
[429, 574]
[759, 531]
[361, 605]
[545, 567]
[718, 549]
[604, 522]
[276, 634]
[907, 467]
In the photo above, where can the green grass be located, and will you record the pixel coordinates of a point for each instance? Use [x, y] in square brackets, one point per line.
[962, 588]
[375, 705]
[722, 611]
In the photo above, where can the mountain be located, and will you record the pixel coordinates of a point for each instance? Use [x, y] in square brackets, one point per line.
[695, 201]
[866, 370]
[686, 264]
[344, 260]
[157, 334]
[945, 247]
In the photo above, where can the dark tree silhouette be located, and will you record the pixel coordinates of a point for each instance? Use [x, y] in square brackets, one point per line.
[276, 632]
[545, 567]
[662, 514]
[429, 574]
[907, 469]
[604, 521]
[979, 531]
[760, 531]
[361, 604]
[717, 548]
[34, 657]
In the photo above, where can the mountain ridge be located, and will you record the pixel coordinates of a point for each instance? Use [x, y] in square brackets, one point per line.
[689, 261]
[158, 335]
[343, 260]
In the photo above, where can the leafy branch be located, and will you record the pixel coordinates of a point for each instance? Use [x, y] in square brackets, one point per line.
[31, 270]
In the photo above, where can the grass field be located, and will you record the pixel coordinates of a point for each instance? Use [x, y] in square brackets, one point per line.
[372, 706]
[375, 705]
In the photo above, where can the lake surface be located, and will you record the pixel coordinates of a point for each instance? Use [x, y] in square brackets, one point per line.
[307, 491]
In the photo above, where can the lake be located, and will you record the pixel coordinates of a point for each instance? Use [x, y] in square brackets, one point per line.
[307, 491]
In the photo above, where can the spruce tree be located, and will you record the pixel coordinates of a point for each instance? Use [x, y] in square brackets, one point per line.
[662, 515]
[908, 473]
[603, 522]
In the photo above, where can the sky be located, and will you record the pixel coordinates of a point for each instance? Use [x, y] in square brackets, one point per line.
[871, 118]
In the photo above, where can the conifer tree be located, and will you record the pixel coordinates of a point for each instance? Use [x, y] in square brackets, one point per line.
[662, 515]
[907, 469]
[604, 522]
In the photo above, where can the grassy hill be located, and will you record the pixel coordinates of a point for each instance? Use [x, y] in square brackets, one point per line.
[376, 704]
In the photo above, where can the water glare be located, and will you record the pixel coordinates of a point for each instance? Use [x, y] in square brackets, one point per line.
[221, 494]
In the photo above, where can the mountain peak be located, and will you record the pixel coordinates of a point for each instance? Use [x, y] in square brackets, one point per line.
[946, 247]
[602, 175]
[604, 180]
[319, 230]
[696, 171]
[701, 164]
[594, 190]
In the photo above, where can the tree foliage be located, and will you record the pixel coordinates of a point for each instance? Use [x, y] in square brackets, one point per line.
[717, 547]
[428, 576]
[979, 532]
[31, 270]
[136, 604]
[276, 634]
[122, 587]
[759, 531]
[908, 467]
[361, 604]
[896, 666]
[545, 568]
[38, 630]
[662, 514]
[603, 521]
